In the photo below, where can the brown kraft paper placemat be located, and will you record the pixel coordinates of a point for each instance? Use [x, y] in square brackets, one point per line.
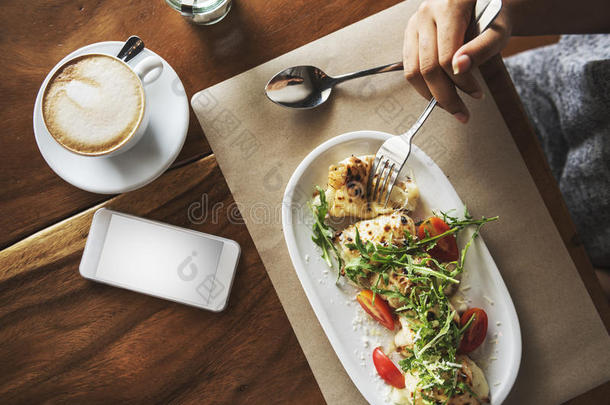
[258, 145]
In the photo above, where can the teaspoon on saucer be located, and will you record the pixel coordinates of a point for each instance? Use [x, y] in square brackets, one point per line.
[132, 47]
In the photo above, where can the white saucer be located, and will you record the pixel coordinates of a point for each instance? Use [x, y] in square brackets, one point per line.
[147, 160]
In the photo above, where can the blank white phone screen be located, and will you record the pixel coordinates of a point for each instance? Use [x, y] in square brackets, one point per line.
[159, 260]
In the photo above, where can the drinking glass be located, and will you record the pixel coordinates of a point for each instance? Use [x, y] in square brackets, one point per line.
[204, 12]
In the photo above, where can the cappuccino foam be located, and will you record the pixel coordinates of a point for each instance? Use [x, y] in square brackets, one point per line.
[93, 103]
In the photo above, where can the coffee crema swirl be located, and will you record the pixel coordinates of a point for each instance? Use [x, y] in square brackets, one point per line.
[93, 104]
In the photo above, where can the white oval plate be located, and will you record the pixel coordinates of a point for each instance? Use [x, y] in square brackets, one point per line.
[352, 334]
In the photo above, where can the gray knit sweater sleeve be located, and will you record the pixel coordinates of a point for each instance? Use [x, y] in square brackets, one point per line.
[565, 88]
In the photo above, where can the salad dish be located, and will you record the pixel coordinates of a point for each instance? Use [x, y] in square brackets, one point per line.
[404, 264]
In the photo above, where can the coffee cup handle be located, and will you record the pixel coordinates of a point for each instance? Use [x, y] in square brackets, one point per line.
[149, 69]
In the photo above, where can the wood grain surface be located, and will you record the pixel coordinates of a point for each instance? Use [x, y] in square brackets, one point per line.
[35, 37]
[66, 339]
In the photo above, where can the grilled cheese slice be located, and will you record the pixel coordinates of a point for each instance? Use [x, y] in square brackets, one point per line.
[474, 377]
[384, 229]
[346, 192]
[470, 374]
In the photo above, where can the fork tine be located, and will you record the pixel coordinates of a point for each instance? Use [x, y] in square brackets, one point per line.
[391, 187]
[380, 169]
[372, 175]
[380, 177]
[385, 181]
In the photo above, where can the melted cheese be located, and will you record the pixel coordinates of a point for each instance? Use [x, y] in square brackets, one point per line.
[405, 395]
[388, 228]
[346, 193]
[470, 374]
[411, 395]
[405, 337]
[385, 229]
[475, 378]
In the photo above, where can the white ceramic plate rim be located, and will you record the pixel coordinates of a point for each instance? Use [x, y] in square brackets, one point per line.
[54, 161]
[297, 261]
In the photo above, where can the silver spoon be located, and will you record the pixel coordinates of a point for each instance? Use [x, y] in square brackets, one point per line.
[306, 87]
[133, 46]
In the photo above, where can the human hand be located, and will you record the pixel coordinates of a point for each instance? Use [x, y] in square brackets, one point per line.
[435, 58]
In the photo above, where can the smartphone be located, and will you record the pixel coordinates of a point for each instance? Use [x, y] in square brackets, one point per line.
[161, 260]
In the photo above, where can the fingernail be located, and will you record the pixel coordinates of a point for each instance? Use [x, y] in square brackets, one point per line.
[478, 94]
[461, 64]
[460, 116]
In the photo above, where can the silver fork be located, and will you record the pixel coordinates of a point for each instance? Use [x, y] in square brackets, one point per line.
[394, 152]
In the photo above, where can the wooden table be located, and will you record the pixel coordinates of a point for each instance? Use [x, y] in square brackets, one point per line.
[64, 339]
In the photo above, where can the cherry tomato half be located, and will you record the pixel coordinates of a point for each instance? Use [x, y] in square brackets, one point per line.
[476, 332]
[387, 369]
[446, 249]
[380, 310]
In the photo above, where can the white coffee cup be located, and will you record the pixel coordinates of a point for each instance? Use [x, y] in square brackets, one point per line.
[73, 108]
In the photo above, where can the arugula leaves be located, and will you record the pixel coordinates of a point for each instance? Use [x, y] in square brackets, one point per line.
[323, 233]
[382, 259]
[424, 304]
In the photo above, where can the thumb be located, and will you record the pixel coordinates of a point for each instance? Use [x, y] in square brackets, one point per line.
[480, 49]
